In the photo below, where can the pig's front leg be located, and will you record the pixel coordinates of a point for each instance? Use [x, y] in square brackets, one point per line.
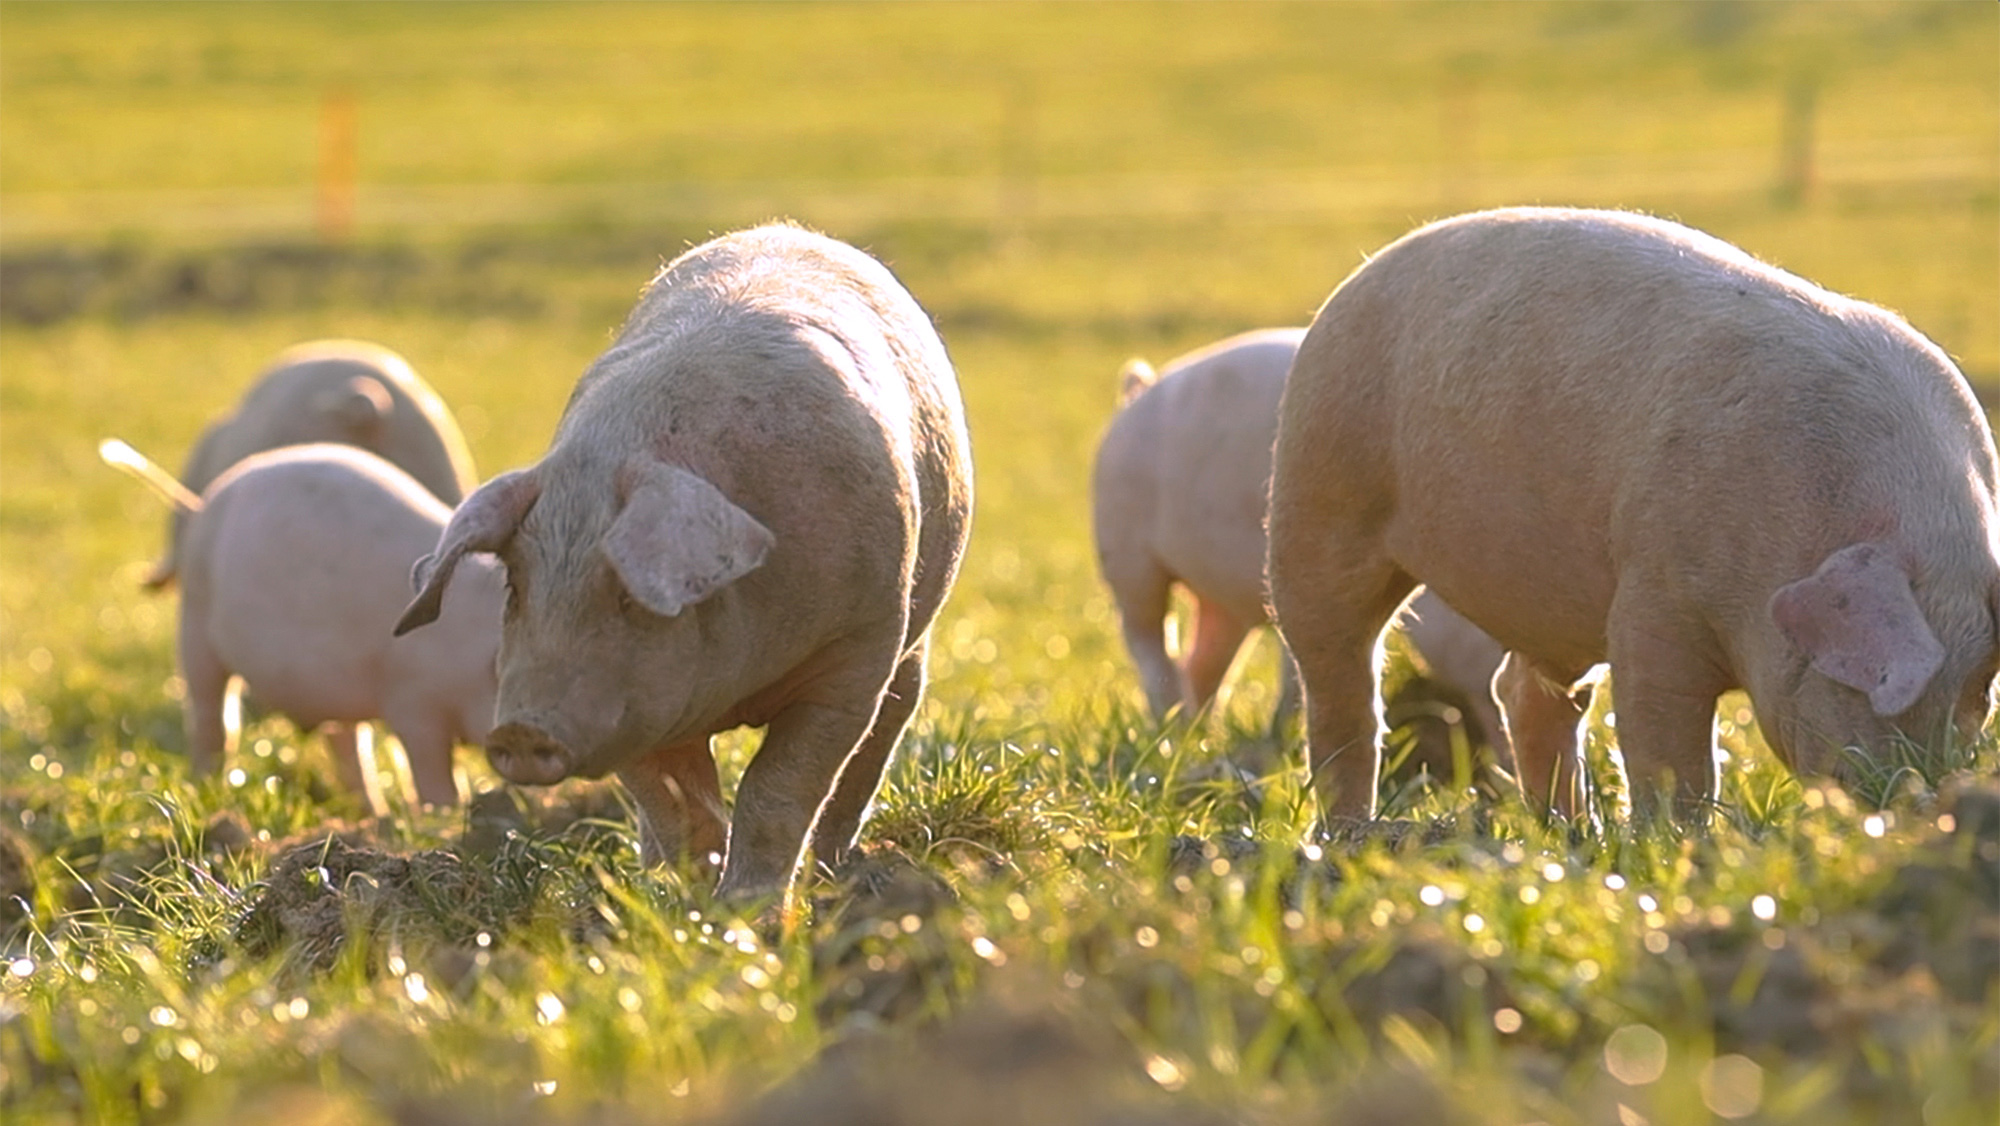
[681, 816]
[783, 788]
[1667, 675]
[428, 742]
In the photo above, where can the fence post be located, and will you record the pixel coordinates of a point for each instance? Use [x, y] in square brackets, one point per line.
[335, 197]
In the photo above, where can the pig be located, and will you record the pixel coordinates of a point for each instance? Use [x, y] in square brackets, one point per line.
[753, 505]
[331, 391]
[294, 569]
[1607, 437]
[1178, 494]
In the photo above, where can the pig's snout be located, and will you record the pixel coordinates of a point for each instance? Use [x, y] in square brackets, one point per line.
[527, 755]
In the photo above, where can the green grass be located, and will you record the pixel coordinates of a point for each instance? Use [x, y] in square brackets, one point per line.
[1068, 913]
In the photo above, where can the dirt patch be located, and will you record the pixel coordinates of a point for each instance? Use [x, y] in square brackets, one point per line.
[1915, 964]
[1034, 1061]
[325, 897]
[1419, 978]
[592, 811]
[885, 952]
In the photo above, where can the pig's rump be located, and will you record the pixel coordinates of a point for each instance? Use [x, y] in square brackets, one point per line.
[299, 573]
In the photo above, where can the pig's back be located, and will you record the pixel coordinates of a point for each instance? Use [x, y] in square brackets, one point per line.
[303, 558]
[420, 435]
[796, 374]
[1558, 394]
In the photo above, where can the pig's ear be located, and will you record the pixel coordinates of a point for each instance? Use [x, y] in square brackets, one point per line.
[358, 405]
[678, 539]
[1134, 379]
[485, 521]
[1858, 621]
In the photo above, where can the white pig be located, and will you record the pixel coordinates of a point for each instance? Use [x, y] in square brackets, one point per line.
[332, 391]
[293, 571]
[753, 506]
[1608, 437]
[1178, 496]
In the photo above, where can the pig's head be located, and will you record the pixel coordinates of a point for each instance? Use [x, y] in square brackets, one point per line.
[354, 410]
[1867, 665]
[606, 571]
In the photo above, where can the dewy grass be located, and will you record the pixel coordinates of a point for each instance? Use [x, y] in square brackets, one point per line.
[1066, 912]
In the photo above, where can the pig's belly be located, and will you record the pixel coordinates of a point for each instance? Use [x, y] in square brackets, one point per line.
[1543, 592]
[307, 679]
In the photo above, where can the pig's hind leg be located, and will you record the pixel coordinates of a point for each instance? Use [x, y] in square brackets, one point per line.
[840, 821]
[428, 739]
[1142, 590]
[206, 685]
[1332, 602]
[352, 750]
[1541, 717]
[1217, 638]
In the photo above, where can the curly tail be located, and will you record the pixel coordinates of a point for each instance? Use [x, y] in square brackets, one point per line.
[119, 455]
[1134, 379]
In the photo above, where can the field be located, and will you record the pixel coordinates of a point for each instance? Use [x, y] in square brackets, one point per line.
[1068, 913]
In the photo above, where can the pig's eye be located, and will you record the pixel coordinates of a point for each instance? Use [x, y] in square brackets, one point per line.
[513, 599]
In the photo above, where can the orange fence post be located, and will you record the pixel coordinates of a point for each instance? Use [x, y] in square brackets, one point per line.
[336, 164]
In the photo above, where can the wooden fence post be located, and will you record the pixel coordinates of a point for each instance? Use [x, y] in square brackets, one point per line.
[335, 197]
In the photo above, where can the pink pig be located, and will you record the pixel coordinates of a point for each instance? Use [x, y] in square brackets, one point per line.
[1608, 437]
[293, 571]
[752, 509]
[1178, 495]
[332, 391]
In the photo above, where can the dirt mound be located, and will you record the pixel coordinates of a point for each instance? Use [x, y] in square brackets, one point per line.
[595, 810]
[324, 897]
[887, 956]
[997, 1064]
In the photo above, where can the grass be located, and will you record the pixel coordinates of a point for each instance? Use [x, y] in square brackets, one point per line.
[1067, 913]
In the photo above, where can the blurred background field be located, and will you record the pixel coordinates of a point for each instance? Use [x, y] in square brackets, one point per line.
[186, 189]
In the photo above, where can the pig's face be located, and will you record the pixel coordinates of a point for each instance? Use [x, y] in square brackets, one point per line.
[1812, 728]
[1868, 667]
[599, 633]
